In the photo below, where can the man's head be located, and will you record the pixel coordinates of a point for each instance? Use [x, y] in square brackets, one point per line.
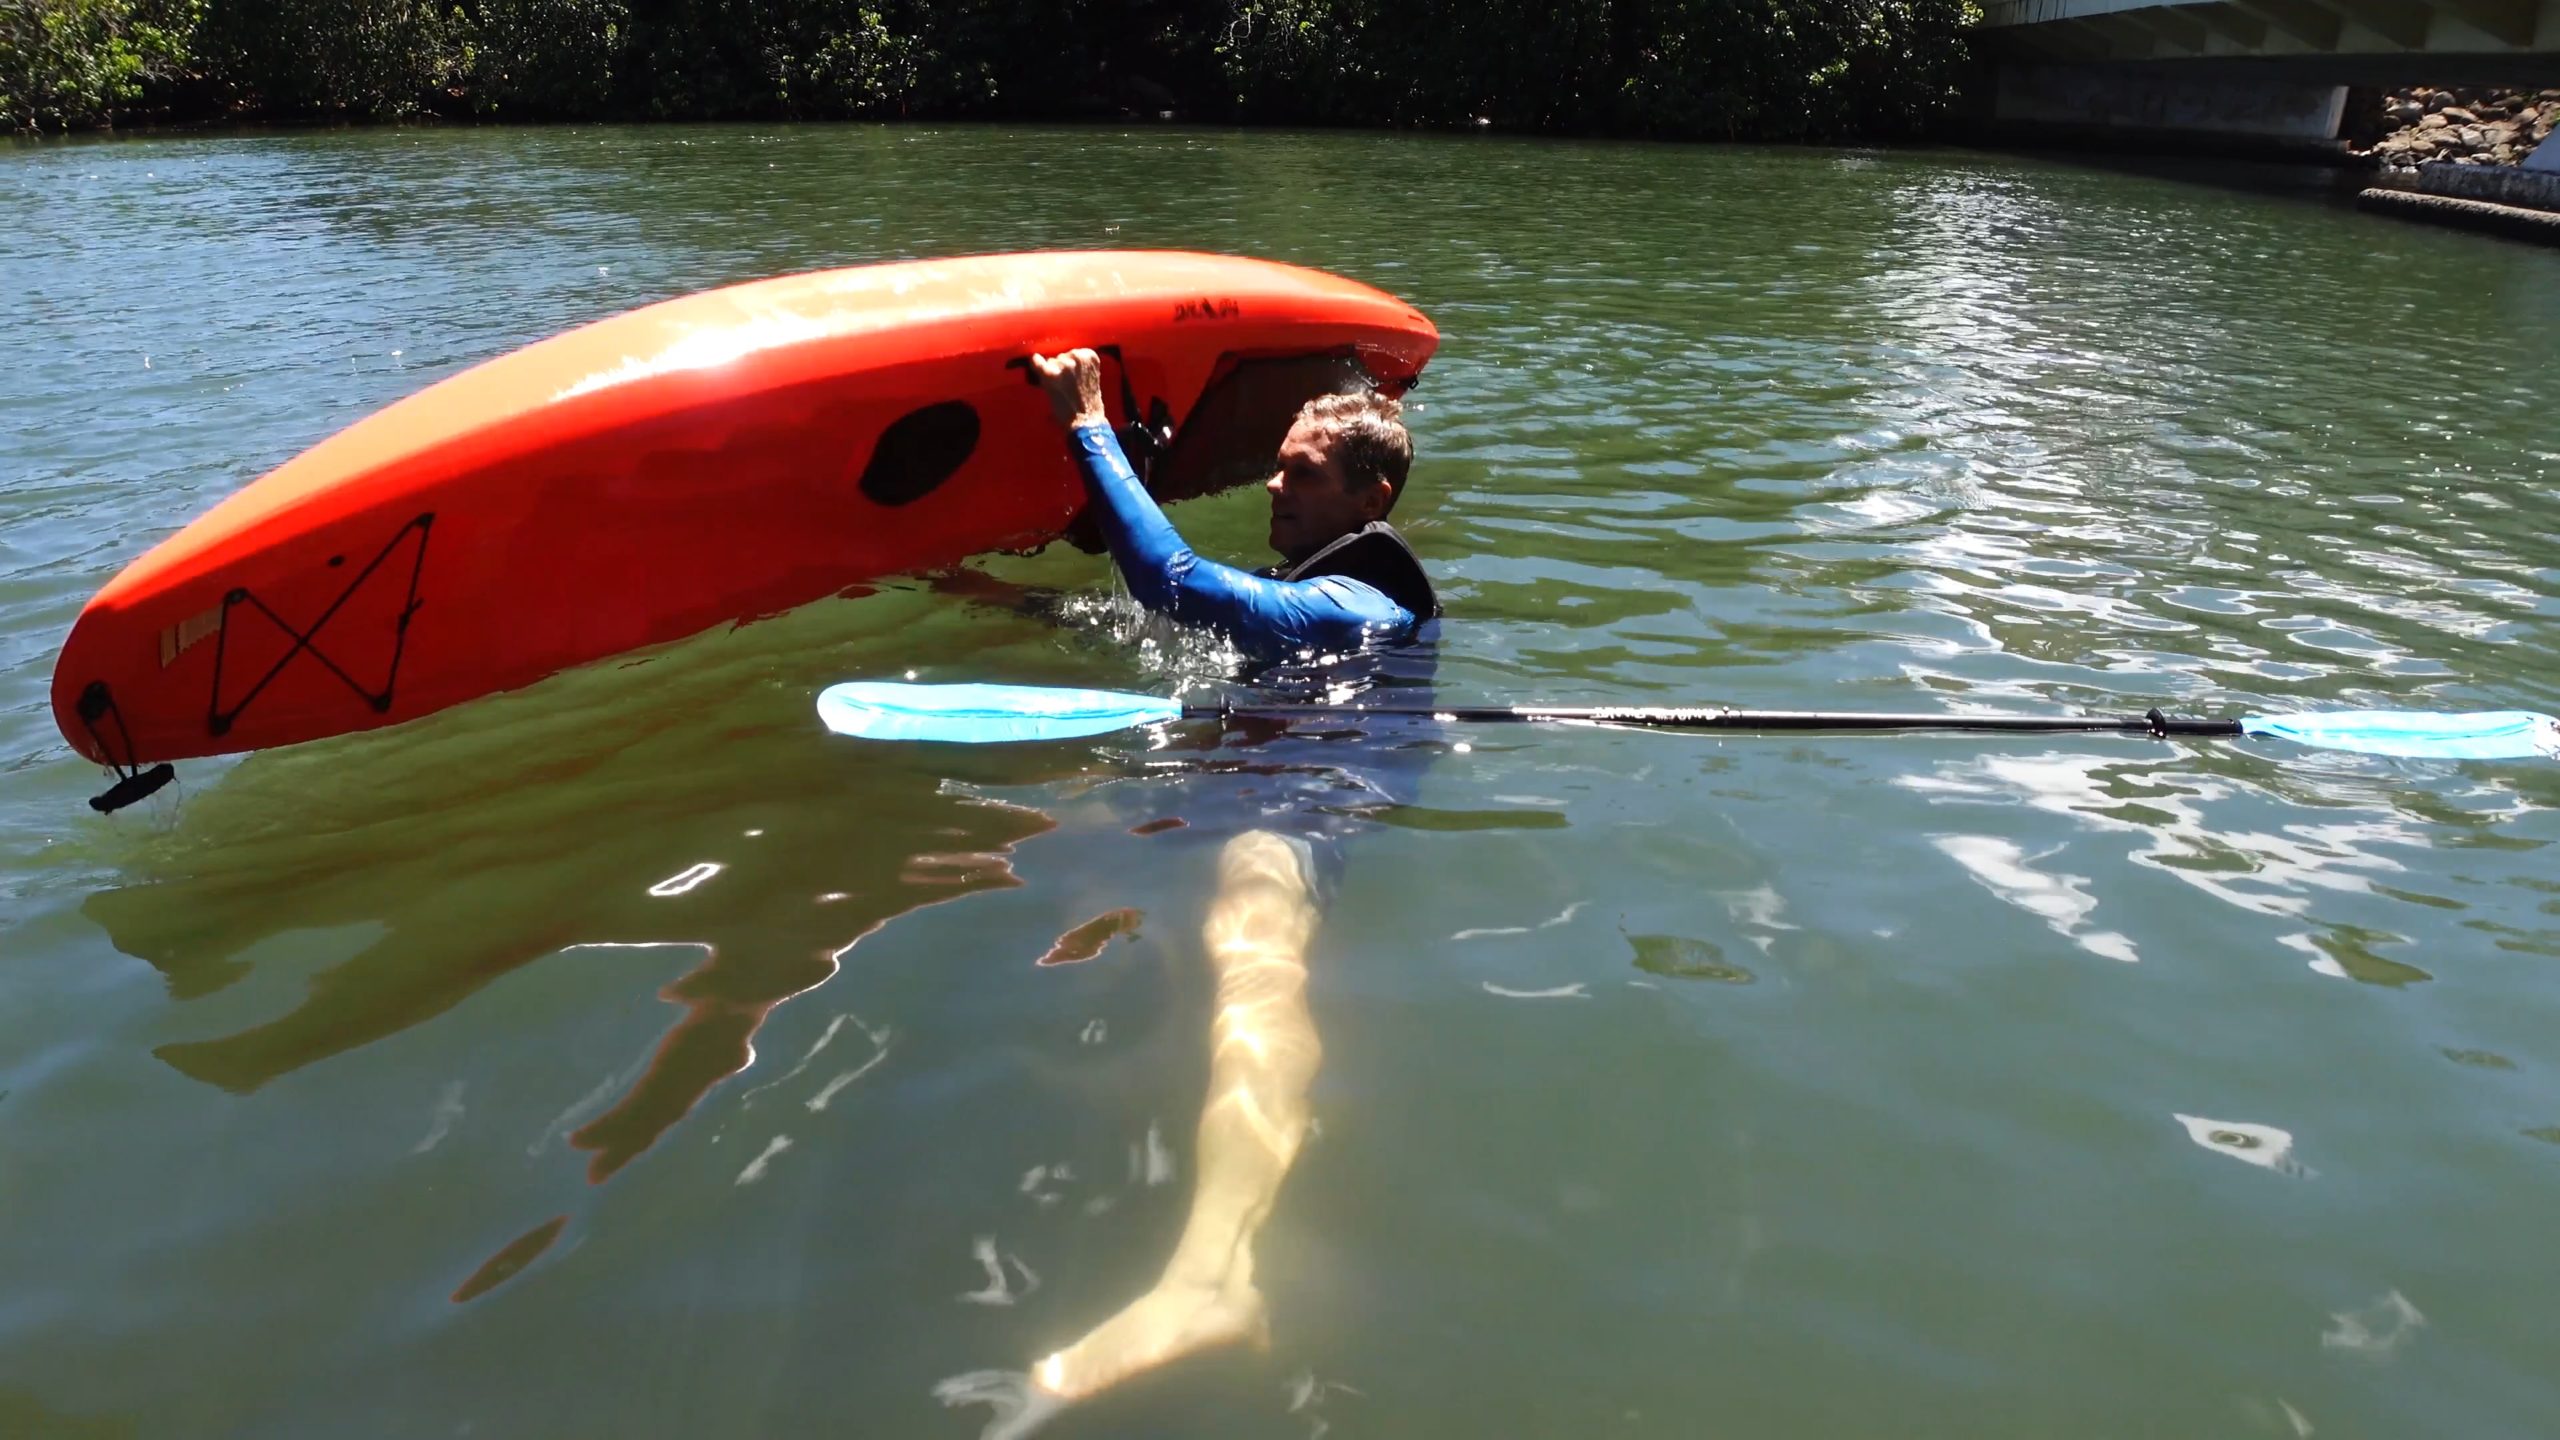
[1342, 466]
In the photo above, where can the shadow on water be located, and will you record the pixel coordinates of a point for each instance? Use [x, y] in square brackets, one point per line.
[597, 810]
[2316, 182]
[602, 809]
[511, 1259]
[23, 1415]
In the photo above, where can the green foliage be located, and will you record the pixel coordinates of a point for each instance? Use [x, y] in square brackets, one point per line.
[762, 59]
[545, 58]
[1766, 69]
[1723, 69]
[76, 63]
[335, 59]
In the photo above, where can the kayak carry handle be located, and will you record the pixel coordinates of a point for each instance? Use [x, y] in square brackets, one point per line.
[133, 787]
[1146, 434]
[97, 702]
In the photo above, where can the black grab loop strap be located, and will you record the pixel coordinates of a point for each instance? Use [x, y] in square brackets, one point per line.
[97, 703]
[218, 721]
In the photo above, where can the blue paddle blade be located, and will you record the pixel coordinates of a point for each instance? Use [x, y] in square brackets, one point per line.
[2418, 734]
[984, 714]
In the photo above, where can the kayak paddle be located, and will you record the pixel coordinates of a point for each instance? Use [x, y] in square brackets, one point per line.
[978, 714]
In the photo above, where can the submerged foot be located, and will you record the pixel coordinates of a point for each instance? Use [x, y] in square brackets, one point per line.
[1166, 1323]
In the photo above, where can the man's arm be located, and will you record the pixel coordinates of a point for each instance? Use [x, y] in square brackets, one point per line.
[1166, 575]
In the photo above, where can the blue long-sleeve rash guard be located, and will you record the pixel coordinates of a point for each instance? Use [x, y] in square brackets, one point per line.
[1329, 613]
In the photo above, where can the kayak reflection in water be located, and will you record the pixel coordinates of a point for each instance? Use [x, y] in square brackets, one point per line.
[1347, 582]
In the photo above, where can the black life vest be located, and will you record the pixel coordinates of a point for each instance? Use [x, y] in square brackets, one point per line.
[1377, 556]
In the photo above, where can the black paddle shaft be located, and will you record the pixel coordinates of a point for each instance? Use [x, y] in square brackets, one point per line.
[2153, 724]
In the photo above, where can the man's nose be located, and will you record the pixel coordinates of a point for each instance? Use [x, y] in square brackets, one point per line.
[1273, 484]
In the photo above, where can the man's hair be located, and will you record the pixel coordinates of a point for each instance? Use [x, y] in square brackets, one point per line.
[1364, 434]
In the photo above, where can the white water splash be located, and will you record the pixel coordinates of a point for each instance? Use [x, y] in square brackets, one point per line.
[879, 1038]
[2262, 1145]
[2283, 870]
[999, 1288]
[820, 1101]
[1045, 1184]
[2377, 1331]
[1575, 991]
[440, 1122]
[1150, 1161]
[1566, 917]
[1017, 1406]
[1306, 1391]
[587, 1104]
[2061, 901]
[756, 1167]
[686, 879]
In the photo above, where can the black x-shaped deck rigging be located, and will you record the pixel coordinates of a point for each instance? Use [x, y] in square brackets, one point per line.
[218, 720]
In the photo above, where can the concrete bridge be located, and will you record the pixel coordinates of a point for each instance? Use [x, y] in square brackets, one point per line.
[2354, 41]
[2270, 71]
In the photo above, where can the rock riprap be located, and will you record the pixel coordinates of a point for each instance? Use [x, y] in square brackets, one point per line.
[2464, 127]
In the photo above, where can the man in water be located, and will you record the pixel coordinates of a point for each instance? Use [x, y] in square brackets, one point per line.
[1346, 579]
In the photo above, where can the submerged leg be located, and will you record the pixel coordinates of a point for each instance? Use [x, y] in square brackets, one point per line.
[1263, 1057]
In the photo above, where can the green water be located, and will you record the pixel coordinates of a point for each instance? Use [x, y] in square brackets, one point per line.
[626, 1058]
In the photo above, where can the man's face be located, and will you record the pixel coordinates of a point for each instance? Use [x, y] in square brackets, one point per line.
[1311, 504]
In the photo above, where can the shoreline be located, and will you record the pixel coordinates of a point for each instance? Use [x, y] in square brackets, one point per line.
[2479, 127]
[2462, 159]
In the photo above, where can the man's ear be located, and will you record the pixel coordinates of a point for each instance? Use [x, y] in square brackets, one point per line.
[1376, 500]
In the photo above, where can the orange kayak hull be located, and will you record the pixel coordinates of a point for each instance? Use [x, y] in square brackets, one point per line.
[707, 460]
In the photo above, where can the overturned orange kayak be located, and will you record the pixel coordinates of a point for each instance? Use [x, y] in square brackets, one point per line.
[705, 460]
